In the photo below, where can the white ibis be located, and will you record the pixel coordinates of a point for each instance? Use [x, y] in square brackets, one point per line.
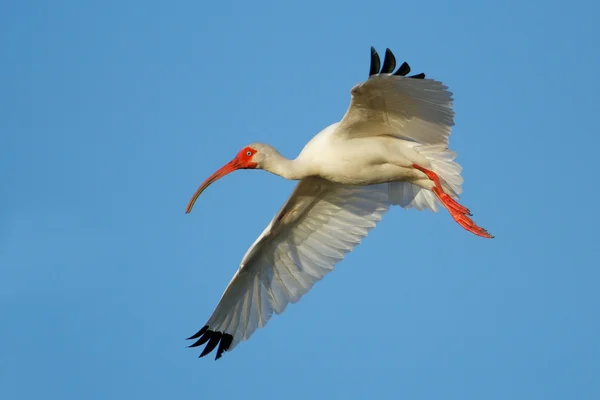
[390, 148]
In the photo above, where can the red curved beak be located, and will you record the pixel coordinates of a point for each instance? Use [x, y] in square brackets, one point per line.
[228, 168]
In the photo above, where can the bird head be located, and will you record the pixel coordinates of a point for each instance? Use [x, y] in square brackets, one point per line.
[253, 156]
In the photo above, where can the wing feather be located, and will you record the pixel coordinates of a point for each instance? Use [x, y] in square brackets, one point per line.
[313, 231]
[419, 110]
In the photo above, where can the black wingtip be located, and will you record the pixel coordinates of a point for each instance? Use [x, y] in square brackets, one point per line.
[418, 76]
[224, 345]
[389, 62]
[212, 343]
[403, 70]
[199, 333]
[203, 339]
[211, 339]
[375, 62]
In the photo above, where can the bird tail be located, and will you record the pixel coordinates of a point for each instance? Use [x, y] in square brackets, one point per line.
[442, 163]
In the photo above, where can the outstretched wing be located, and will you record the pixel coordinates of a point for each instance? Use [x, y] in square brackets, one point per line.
[388, 103]
[313, 231]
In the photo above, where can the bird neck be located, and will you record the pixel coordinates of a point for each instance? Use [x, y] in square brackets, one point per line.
[288, 169]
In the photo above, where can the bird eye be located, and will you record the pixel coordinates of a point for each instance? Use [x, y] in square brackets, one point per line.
[248, 153]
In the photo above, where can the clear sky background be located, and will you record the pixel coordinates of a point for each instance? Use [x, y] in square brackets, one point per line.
[112, 113]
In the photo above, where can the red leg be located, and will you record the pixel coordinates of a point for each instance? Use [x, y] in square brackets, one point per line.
[450, 202]
[458, 212]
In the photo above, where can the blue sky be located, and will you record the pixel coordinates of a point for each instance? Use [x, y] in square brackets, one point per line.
[113, 112]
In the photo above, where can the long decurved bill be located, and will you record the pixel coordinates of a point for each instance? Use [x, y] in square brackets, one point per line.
[224, 170]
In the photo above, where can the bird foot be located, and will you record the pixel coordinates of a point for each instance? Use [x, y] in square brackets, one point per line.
[458, 212]
[450, 203]
[468, 224]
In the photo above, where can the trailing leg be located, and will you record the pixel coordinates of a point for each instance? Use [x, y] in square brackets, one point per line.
[459, 213]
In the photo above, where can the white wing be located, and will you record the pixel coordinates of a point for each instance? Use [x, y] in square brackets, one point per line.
[317, 226]
[409, 108]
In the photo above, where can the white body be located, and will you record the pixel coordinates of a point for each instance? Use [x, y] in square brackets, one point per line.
[362, 161]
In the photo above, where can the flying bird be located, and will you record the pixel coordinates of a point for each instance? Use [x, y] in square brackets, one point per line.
[390, 148]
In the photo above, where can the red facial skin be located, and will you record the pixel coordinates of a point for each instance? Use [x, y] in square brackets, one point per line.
[243, 160]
